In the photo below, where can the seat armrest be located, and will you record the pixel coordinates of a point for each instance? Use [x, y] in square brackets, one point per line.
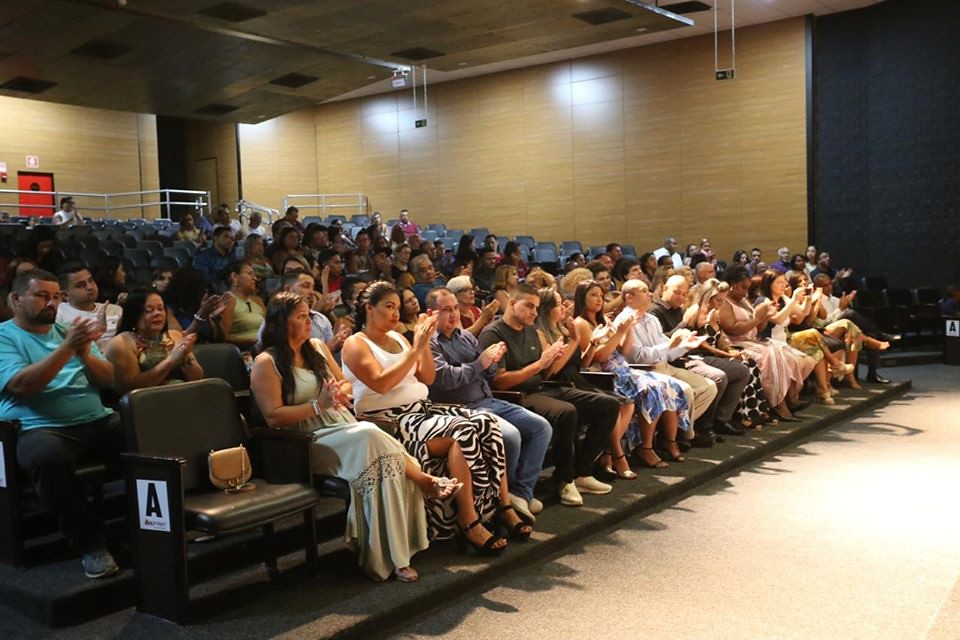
[451, 405]
[390, 425]
[602, 379]
[285, 455]
[144, 460]
[516, 397]
[643, 367]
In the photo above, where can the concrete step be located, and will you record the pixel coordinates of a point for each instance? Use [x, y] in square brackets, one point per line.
[340, 602]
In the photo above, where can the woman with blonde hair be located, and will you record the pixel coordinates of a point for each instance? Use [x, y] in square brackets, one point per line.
[505, 281]
[753, 410]
[569, 282]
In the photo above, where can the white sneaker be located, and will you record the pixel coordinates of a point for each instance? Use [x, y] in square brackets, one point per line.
[569, 496]
[535, 506]
[590, 485]
[521, 505]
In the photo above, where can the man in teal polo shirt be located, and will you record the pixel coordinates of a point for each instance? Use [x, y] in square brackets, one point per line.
[48, 375]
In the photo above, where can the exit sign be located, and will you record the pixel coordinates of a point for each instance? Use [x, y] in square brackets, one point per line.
[421, 123]
[725, 74]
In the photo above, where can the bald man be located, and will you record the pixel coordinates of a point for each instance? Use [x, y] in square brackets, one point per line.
[731, 376]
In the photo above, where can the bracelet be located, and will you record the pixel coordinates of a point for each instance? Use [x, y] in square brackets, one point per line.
[199, 318]
[316, 407]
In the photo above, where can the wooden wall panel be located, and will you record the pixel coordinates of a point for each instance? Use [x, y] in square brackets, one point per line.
[215, 142]
[633, 146]
[86, 150]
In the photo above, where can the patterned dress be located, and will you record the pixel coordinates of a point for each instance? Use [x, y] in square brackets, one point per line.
[753, 402]
[419, 421]
[652, 393]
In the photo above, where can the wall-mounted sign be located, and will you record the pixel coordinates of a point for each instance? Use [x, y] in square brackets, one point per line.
[33, 162]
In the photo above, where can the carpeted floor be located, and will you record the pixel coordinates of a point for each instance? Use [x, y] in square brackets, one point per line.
[853, 534]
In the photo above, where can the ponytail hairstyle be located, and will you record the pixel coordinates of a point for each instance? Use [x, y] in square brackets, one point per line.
[372, 295]
[277, 344]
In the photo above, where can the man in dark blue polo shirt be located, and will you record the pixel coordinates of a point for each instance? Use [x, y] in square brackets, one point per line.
[464, 373]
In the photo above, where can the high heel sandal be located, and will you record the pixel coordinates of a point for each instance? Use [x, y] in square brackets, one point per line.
[842, 370]
[825, 397]
[669, 454]
[443, 484]
[629, 474]
[485, 549]
[659, 464]
[516, 531]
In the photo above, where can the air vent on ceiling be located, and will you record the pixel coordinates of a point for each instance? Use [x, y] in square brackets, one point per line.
[417, 53]
[101, 49]
[214, 109]
[681, 8]
[232, 12]
[27, 85]
[293, 80]
[602, 16]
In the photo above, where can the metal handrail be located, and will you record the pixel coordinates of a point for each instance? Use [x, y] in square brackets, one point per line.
[360, 203]
[200, 202]
[244, 207]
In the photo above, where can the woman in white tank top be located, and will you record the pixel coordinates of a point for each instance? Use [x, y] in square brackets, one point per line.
[390, 379]
[297, 384]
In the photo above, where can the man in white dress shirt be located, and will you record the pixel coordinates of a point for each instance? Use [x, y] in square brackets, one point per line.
[669, 248]
[651, 346]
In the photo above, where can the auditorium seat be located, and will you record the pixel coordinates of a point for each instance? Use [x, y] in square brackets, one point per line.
[568, 247]
[170, 432]
[22, 520]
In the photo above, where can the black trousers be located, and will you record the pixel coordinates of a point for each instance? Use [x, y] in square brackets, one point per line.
[566, 408]
[51, 457]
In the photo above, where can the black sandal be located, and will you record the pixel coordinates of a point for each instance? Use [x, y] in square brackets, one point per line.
[659, 464]
[669, 455]
[485, 549]
[516, 532]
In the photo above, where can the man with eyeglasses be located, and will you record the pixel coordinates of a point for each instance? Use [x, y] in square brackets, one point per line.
[49, 375]
[464, 375]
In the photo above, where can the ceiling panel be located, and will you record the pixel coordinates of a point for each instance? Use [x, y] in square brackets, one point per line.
[176, 57]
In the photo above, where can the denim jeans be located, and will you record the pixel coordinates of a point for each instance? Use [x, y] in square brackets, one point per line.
[526, 437]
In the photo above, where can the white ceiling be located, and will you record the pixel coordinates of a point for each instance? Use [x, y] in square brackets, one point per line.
[747, 12]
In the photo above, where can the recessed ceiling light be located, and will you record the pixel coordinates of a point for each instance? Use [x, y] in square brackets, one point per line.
[641, 29]
[371, 77]
[462, 64]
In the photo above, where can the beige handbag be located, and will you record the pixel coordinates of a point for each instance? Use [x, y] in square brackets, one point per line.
[230, 470]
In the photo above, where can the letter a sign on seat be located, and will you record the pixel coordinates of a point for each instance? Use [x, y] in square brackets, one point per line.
[152, 501]
[953, 328]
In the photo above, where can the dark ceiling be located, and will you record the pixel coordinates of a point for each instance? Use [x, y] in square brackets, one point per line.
[252, 60]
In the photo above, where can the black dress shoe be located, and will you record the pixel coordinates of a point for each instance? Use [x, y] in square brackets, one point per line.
[704, 439]
[728, 428]
[876, 378]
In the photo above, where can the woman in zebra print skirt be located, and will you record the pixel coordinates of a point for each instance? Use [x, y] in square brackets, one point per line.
[390, 380]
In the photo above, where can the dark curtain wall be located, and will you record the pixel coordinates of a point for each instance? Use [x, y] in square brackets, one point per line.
[887, 127]
[172, 155]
